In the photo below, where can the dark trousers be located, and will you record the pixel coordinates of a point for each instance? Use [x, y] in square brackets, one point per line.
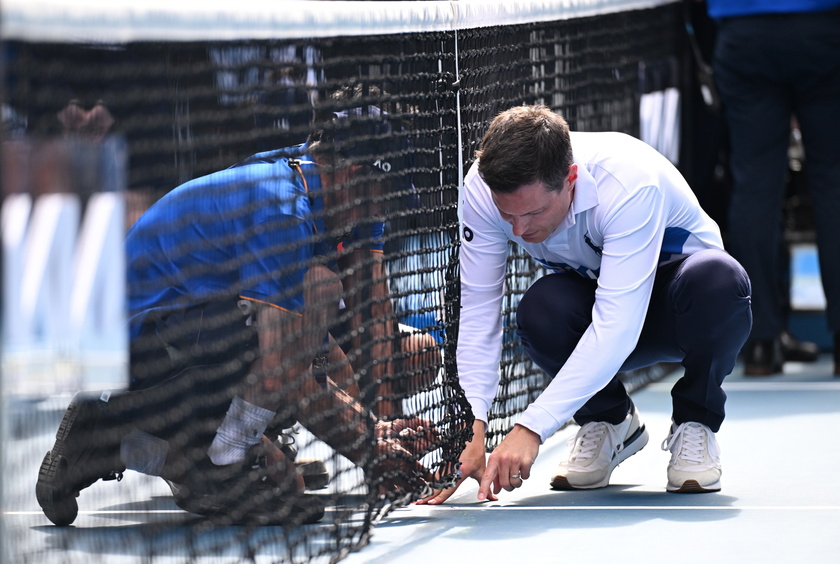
[186, 368]
[767, 69]
[699, 314]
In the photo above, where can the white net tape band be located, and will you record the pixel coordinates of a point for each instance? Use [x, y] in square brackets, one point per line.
[221, 20]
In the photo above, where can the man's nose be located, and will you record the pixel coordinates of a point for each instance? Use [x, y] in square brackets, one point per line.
[519, 226]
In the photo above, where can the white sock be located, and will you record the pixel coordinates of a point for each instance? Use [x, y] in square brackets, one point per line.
[242, 428]
[144, 453]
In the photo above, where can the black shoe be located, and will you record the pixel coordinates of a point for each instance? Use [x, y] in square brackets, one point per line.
[86, 450]
[243, 494]
[762, 358]
[798, 351]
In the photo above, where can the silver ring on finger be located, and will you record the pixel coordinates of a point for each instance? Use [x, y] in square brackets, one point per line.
[516, 476]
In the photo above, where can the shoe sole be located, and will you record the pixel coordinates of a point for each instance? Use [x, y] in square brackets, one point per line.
[693, 486]
[59, 506]
[634, 444]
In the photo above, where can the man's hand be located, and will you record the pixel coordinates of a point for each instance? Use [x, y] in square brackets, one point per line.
[280, 469]
[414, 434]
[399, 445]
[472, 466]
[396, 469]
[510, 464]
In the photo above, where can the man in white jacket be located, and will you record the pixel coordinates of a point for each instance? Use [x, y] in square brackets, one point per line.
[637, 275]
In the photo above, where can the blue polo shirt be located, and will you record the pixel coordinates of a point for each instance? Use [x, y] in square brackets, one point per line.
[251, 230]
[733, 8]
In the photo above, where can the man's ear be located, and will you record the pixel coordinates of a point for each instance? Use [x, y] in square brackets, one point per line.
[573, 174]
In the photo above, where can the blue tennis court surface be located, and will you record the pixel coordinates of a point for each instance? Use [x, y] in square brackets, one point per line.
[780, 501]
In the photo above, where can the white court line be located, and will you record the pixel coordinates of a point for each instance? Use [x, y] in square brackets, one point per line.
[517, 508]
[782, 386]
[109, 512]
[646, 507]
[762, 386]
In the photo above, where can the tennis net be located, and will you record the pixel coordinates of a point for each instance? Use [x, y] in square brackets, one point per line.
[106, 109]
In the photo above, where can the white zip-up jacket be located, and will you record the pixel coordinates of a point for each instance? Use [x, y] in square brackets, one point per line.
[632, 211]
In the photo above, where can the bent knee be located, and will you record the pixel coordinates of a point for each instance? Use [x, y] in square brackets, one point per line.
[716, 272]
[713, 290]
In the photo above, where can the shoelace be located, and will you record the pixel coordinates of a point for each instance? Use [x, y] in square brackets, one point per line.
[585, 443]
[693, 448]
[287, 436]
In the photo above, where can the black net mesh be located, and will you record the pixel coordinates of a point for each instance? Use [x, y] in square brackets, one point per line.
[587, 69]
[183, 110]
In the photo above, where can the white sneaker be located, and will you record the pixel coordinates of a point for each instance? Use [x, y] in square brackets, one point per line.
[597, 448]
[695, 459]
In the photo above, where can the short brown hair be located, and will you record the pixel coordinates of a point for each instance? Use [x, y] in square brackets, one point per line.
[525, 144]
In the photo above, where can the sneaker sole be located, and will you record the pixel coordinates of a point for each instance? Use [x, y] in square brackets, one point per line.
[634, 444]
[59, 506]
[60, 509]
[693, 486]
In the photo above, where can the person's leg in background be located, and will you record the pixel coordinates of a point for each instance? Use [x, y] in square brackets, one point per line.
[817, 106]
[758, 111]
